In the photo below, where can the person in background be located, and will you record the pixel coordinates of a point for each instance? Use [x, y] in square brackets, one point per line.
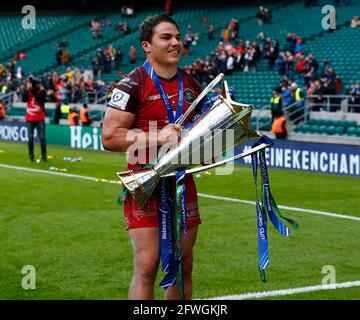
[132, 54]
[168, 7]
[279, 126]
[57, 113]
[73, 117]
[276, 103]
[35, 97]
[85, 115]
[2, 110]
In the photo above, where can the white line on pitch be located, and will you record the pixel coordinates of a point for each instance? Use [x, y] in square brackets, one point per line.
[276, 293]
[324, 213]
[48, 172]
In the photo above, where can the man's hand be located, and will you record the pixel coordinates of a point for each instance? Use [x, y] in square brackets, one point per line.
[170, 133]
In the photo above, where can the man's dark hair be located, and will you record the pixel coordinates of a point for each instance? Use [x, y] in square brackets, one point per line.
[148, 25]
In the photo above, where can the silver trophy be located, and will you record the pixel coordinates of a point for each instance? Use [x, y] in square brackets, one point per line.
[205, 140]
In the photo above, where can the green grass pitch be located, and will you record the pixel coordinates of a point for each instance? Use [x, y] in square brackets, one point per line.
[73, 232]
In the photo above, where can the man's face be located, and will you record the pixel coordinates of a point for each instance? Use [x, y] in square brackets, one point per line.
[166, 45]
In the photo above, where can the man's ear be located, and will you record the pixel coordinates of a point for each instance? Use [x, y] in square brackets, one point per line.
[146, 46]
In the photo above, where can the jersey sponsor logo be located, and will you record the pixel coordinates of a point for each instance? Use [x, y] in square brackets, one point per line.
[129, 82]
[119, 99]
[189, 95]
[157, 96]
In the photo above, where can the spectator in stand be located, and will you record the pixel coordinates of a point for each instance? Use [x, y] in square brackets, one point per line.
[298, 96]
[355, 22]
[289, 65]
[106, 24]
[299, 47]
[281, 62]
[313, 62]
[354, 92]
[65, 57]
[101, 59]
[96, 29]
[168, 7]
[117, 58]
[300, 68]
[230, 64]
[132, 54]
[186, 47]
[308, 71]
[211, 32]
[127, 11]
[226, 35]
[2, 110]
[107, 64]
[324, 67]
[286, 95]
[239, 61]
[262, 44]
[123, 27]
[96, 67]
[291, 42]
[338, 85]
[330, 75]
[233, 29]
[263, 16]
[187, 43]
[268, 15]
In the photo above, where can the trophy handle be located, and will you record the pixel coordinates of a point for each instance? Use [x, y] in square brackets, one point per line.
[201, 96]
[209, 87]
[219, 163]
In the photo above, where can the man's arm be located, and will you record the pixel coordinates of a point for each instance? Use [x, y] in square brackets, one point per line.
[118, 136]
[115, 130]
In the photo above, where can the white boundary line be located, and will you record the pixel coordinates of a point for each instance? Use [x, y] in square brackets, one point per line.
[203, 195]
[276, 293]
[48, 172]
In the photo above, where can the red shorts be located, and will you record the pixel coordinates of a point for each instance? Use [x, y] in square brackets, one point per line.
[137, 218]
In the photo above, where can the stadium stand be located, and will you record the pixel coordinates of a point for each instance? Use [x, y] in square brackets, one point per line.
[329, 127]
[12, 34]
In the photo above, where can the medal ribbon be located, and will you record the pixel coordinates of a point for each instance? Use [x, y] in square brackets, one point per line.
[170, 218]
[268, 208]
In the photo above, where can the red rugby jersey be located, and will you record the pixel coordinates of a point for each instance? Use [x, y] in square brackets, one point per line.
[137, 94]
[35, 110]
